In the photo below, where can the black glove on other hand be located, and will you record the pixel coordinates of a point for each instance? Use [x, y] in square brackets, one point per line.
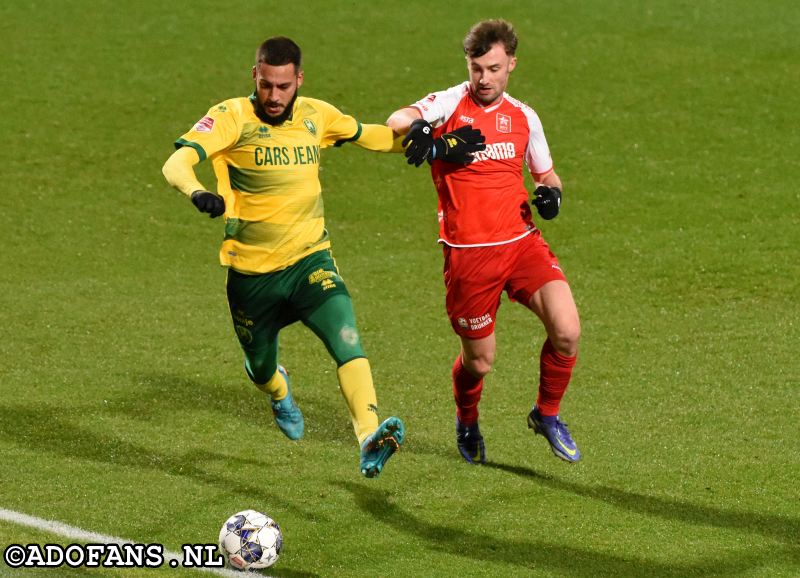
[459, 145]
[547, 201]
[208, 203]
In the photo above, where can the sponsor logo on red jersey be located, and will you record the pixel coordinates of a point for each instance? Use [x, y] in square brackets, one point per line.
[497, 151]
[205, 124]
[466, 119]
[503, 122]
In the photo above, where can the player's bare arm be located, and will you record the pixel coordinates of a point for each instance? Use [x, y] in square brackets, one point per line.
[549, 179]
[400, 120]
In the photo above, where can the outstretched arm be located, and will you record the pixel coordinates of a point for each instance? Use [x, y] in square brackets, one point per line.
[377, 137]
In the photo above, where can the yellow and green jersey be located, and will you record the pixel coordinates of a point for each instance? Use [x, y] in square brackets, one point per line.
[269, 178]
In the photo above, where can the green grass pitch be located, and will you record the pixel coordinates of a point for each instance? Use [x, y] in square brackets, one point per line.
[124, 409]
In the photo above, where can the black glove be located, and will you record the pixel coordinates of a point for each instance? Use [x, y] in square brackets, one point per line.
[459, 145]
[454, 147]
[547, 201]
[208, 203]
[420, 142]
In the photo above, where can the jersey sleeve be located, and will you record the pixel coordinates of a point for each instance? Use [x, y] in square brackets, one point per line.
[437, 107]
[338, 128]
[379, 137]
[216, 131]
[537, 153]
[179, 172]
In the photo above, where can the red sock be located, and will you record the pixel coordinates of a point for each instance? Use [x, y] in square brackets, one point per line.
[555, 371]
[467, 393]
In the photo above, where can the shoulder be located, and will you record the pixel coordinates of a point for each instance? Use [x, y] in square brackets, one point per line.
[232, 105]
[311, 105]
[519, 106]
[460, 90]
[233, 108]
[524, 110]
[318, 113]
[453, 94]
[443, 100]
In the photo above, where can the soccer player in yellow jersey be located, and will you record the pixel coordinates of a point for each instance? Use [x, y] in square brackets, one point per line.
[265, 150]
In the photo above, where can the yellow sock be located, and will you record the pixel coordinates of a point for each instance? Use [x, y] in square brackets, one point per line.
[275, 387]
[355, 381]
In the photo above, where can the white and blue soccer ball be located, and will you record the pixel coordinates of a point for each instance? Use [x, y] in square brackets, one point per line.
[250, 540]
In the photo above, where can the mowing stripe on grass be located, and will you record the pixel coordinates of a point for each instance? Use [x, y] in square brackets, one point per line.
[75, 533]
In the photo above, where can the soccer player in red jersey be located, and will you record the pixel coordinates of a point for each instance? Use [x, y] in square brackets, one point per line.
[490, 241]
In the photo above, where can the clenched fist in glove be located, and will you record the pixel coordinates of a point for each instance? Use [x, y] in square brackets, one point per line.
[208, 203]
[547, 201]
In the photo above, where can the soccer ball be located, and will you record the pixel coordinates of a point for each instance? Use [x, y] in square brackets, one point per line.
[250, 540]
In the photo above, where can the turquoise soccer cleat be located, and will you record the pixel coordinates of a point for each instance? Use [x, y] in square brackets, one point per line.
[556, 433]
[380, 446]
[287, 415]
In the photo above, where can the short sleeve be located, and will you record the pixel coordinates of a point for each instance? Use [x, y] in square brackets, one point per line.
[437, 107]
[537, 153]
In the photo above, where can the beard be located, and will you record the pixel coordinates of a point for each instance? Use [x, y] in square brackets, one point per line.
[261, 112]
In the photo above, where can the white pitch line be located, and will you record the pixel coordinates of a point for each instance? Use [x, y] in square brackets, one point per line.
[82, 535]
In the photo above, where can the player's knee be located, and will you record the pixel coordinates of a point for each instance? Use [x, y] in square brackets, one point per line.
[346, 345]
[479, 366]
[565, 338]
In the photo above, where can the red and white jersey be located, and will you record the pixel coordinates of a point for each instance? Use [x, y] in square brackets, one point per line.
[485, 202]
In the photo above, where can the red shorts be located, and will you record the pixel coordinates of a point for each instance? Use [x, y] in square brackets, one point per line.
[475, 278]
